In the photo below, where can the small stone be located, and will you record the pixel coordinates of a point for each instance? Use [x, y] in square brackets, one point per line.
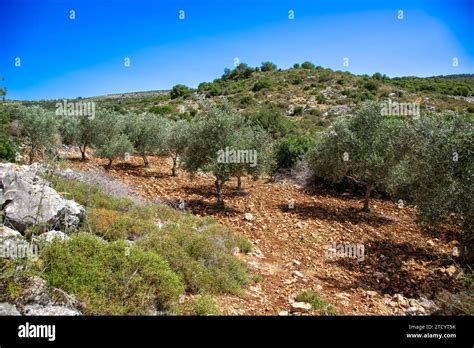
[430, 243]
[300, 307]
[451, 270]
[371, 293]
[297, 274]
[296, 262]
[283, 313]
[343, 296]
[248, 217]
[378, 275]
[411, 311]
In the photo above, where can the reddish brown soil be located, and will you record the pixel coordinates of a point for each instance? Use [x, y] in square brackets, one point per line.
[400, 257]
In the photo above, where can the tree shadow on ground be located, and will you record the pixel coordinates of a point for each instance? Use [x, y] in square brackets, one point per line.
[390, 268]
[447, 234]
[76, 159]
[201, 207]
[309, 211]
[137, 170]
[208, 191]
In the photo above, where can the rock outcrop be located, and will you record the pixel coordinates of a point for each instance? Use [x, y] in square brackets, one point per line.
[27, 199]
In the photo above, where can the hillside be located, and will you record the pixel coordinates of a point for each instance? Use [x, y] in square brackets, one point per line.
[140, 187]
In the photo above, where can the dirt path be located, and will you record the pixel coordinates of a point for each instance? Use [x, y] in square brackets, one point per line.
[290, 244]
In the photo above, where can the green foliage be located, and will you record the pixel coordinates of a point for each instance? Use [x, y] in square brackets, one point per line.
[180, 91]
[261, 84]
[320, 305]
[162, 109]
[291, 149]
[246, 101]
[216, 130]
[268, 66]
[205, 305]
[361, 148]
[308, 65]
[115, 225]
[110, 278]
[377, 76]
[111, 141]
[37, 127]
[241, 71]
[175, 140]
[436, 172]
[200, 252]
[447, 85]
[8, 146]
[371, 86]
[146, 133]
[272, 119]
[462, 91]
[77, 131]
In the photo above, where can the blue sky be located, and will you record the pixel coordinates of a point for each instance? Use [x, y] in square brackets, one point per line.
[64, 58]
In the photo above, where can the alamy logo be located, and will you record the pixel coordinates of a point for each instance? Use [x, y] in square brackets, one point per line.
[237, 156]
[393, 108]
[355, 251]
[33, 331]
[14, 251]
[81, 108]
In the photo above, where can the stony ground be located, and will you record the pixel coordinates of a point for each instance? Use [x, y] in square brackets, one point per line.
[403, 268]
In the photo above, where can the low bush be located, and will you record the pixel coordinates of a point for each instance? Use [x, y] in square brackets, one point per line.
[320, 305]
[205, 305]
[292, 149]
[110, 278]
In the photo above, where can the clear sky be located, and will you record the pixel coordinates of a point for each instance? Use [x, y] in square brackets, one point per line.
[66, 58]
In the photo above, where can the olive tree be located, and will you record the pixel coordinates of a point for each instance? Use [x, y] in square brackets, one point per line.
[252, 137]
[437, 172]
[110, 141]
[146, 132]
[38, 129]
[174, 139]
[220, 145]
[360, 147]
[78, 131]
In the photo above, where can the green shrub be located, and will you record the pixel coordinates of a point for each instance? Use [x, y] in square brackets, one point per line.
[291, 149]
[110, 278]
[201, 254]
[261, 84]
[246, 101]
[162, 109]
[180, 91]
[114, 225]
[272, 119]
[8, 147]
[318, 304]
[371, 86]
[308, 65]
[268, 66]
[205, 305]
